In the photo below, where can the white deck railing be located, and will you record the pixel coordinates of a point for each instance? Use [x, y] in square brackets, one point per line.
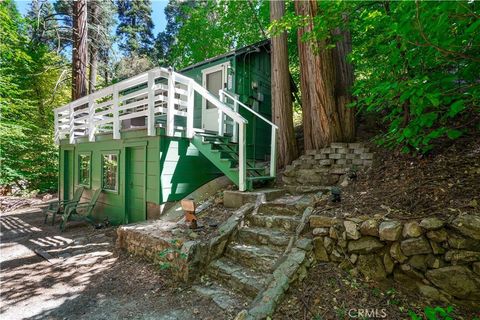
[166, 99]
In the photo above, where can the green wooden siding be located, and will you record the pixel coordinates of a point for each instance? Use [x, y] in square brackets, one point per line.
[160, 168]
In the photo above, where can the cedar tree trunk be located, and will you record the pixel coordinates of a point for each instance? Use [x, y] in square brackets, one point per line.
[282, 112]
[80, 49]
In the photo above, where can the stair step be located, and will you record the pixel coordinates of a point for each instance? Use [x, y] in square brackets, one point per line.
[223, 297]
[261, 258]
[287, 223]
[279, 209]
[264, 236]
[237, 277]
[260, 178]
[224, 151]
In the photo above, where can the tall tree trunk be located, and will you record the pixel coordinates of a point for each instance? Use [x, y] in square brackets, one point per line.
[80, 49]
[326, 78]
[93, 48]
[282, 111]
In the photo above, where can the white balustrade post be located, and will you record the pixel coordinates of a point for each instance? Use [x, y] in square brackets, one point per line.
[221, 123]
[190, 109]
[242, 158]
[151, 105]
[72, 124]
[171, 103]
[273, 153]
[91, 124]
[116, 121]
[235, 125]
[57, 130]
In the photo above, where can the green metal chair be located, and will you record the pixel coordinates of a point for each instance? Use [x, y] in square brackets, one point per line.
[57, 207]
[80, 211]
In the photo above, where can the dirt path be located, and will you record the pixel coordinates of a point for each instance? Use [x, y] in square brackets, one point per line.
[84, 278]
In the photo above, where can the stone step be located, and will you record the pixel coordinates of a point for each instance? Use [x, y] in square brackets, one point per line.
[287, 223]
[264, 236]
[225, 298]
[261, 258]
[279, 209]
[237, 277]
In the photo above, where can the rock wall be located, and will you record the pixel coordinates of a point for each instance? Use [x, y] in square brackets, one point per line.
[326, 166]
[439, 258]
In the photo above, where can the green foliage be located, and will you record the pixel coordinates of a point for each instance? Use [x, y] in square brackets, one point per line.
[417, 66]
[28, 73]
[173, 258]
[437, 313]
[135, 27]
[210, 28]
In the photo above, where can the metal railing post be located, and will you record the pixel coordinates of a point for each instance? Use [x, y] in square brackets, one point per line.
[242, 158]
[151, 104]
[171, 103]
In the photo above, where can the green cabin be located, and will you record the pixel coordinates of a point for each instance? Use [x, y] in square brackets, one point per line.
[158, 136]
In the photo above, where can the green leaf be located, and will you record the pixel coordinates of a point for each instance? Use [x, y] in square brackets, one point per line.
[456, 107]
[434, 99]
[454, 134]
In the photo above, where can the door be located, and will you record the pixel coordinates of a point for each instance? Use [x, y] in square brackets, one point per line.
[135, 184]
[214, 79]
[68, 174]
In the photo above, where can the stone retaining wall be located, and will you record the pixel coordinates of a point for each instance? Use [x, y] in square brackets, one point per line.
[157, 242]
[439, 258]
[325, 166]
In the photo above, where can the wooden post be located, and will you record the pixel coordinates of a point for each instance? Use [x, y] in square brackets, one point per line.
[57, 129]
[273, 153]
[116, 122]
[72, 124]
[151, 105]
[242, 158]
[171, 103]
[235, 125]
[220, 115]
[190, 109]
[91, 124]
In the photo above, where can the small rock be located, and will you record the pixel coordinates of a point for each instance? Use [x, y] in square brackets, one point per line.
[436, 249]
[369, 228]
[328, 243]
[462, 256]
[371, 266]
[415, 246]
[458, 281]
[411, 272]
[320, 231]
[364, 245]
[456, 241]
[193, 235]
[388, 263]
[353, 258]
[351, 230]
[468, 225]
[418, 262]
[432, 223]
[390, 230]
[396, 253]
[431, 292]
[476, 267]
[434, 262]
[322, 221]
[319, 249]
[412, 230]
[439, 235]
[336, 256]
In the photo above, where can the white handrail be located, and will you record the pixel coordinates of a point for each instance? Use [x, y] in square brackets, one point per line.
[106, 109]
[273, 139]
[249, 109]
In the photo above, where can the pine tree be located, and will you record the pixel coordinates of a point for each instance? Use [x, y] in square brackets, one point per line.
[43, 26]
[135, 27]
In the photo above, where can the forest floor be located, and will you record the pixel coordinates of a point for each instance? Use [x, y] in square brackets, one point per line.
[404, 187]
[83, 277]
